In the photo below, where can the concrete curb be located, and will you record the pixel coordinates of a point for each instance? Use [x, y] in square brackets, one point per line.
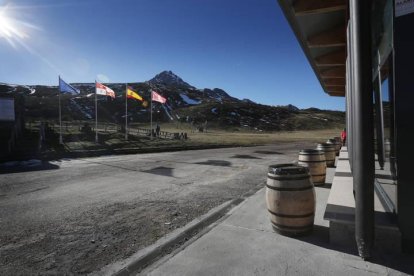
[171, 241]
[104, 152]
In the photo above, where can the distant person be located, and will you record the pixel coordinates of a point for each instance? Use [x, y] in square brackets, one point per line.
[343, 136]
[157, 130]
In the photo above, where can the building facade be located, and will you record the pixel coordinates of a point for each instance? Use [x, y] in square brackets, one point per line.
[363, 51]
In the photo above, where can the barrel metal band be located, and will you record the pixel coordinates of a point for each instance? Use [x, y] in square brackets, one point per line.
[311, 161]
[289, 189]
[288, 178]
[292, 216]
[319, 174]
[313, 153]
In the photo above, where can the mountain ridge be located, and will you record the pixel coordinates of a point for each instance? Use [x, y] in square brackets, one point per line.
[184, 103]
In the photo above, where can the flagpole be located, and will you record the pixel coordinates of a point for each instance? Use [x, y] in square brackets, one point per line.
[151, 116]
[96, 116]
[126, 111]
[60, 117]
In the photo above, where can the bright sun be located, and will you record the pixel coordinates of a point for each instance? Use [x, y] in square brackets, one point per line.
[9, 27]
[14, 31]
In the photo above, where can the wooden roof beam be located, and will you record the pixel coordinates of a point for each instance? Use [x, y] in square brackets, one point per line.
[304, 7]
[335, 90]
[334, 82]
[333, 73]
[331, 38]
[335, 94]
[337, 58]
[335, 87]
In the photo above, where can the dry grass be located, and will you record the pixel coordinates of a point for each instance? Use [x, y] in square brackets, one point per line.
[113, 141]
[246, 138]
[243, 138]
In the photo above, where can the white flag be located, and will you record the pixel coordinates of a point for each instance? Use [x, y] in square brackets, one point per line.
[104, 90]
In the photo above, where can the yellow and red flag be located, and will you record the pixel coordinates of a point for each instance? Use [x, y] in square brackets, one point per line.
[131, 94]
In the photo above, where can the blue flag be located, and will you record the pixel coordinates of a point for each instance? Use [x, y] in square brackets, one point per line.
[67, 88]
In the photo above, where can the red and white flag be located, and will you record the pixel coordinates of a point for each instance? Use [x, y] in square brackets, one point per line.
[104, 90]
[157, 97]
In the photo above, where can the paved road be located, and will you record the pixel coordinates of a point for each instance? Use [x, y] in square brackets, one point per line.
[78, 215]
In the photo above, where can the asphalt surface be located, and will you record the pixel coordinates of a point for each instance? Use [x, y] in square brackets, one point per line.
[76, 216]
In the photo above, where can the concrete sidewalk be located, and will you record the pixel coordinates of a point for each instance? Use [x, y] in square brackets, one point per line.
[244, 244]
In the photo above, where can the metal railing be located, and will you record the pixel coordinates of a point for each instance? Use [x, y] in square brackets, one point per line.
[81, 126]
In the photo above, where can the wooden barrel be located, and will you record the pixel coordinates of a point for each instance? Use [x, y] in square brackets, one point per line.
[314, 160]
[290, 199]
[335, 144]
[339, 140]
[387, 147]
[329, 151]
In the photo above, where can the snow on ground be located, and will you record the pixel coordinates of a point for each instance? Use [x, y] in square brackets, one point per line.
[83, 109]
[188, 100]
[214, 110]
[218, 98]
[168, 113]
[15, 86]
[32, 90]
[319, 118]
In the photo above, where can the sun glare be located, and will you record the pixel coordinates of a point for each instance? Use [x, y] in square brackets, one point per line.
[12, 30]
[9, 29]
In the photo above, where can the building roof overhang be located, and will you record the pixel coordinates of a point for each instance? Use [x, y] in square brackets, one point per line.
[320, 27]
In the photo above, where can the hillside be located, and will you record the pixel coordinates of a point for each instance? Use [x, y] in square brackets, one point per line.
[185, 103]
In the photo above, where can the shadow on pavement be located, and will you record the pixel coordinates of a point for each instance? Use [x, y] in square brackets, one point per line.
[268, 152]
[399, 262]
[111, 165]
[327, 185]
[26, 166]
[221, 163]
[164, 171]
[245, 156]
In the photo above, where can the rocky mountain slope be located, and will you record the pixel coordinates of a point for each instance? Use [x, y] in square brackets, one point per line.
[185, 103]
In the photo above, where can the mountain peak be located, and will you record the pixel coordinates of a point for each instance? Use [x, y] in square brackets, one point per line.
[169, 78]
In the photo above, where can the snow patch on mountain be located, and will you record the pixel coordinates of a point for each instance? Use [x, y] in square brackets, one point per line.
[188, 100]
[85, 110]
[167, 112]
[11, 88]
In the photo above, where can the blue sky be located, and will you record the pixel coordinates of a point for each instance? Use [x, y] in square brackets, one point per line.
[245, 47]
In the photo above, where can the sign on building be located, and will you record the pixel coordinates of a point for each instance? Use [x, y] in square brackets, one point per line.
[7, 109]
[403, 7]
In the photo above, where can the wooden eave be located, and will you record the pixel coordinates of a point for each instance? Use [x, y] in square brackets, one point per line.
[303, 7]
[336, 58]
[333, 37]
[319, 26]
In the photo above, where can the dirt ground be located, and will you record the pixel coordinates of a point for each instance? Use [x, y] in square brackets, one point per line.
[81, 223]
[91, 240]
